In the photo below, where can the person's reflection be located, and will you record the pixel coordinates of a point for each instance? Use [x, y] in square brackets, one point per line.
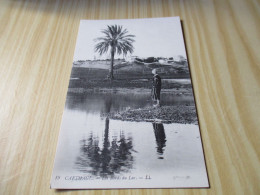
[160, 138]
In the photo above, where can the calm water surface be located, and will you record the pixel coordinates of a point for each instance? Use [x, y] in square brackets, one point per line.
[90, 144]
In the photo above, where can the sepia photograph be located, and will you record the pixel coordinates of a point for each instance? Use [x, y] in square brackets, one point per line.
[130, 118]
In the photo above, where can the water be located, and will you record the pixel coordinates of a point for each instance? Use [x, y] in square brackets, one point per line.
[101, 147]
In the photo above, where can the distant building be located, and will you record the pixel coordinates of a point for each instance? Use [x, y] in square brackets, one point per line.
[163, 61]
[130, 58]
[179, 59]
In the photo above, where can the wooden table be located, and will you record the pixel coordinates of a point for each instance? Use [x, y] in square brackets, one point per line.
[37, 42]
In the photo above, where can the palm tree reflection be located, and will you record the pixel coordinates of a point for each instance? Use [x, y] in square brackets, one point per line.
[160, 138]
[113, 158]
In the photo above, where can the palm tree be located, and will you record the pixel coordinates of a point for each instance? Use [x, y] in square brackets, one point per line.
[117, 40]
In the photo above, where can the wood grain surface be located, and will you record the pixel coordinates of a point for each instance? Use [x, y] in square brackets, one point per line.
[37, 42]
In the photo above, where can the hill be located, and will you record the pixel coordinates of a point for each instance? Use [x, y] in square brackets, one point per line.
[94, 74]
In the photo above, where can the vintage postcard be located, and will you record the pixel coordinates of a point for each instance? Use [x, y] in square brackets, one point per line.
[130, 119]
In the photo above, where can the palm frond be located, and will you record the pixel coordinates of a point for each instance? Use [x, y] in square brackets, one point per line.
[118, 38]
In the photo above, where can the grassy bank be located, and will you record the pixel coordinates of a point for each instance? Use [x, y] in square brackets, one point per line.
[166, 114]
[130, 84]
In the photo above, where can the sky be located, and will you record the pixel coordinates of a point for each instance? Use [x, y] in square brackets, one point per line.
[154, 37]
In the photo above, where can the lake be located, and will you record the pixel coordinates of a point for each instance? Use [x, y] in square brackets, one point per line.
[101, 148]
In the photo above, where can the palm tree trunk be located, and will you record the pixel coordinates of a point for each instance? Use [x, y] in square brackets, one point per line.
[106, 141]
[112, 63]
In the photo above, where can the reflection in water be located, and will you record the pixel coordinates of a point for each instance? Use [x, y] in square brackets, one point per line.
[106, 148]
[113, 158]
[160, 138]
[115, 155]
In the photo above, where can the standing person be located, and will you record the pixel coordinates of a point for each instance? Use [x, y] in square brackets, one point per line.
[156, 89]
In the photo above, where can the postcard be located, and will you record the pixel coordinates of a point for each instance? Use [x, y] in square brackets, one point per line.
[130, 119]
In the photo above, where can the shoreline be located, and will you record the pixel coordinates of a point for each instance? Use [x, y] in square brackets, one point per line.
[120, 90]
[184, 114]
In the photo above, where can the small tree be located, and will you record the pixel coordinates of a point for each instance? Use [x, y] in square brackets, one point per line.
[117, 40]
